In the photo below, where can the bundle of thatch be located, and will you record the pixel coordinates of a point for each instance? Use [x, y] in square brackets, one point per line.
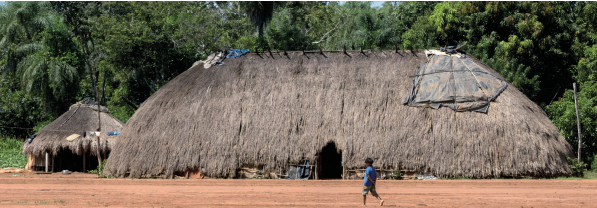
[270, 110]
[82, 117]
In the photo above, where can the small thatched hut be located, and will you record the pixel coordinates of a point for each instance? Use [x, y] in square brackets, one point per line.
[269, 110]
[66, 143]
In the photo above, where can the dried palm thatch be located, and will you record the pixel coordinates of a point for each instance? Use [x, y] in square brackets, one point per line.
[273, 109]
[80, 118]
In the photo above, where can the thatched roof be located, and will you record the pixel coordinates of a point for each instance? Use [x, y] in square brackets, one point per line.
[263, 110]
[80, 118]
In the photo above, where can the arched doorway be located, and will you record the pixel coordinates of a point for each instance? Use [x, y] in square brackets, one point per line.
[330, 159]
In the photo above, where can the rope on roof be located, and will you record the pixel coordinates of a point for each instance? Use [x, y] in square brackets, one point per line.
[71, 115]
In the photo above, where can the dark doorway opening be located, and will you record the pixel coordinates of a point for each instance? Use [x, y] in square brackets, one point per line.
[331, 162]
[66, 160]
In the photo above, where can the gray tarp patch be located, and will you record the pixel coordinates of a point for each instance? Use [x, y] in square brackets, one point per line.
[454, 82]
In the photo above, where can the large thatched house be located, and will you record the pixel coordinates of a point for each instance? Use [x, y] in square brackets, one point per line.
[66, 143]
[269, 110]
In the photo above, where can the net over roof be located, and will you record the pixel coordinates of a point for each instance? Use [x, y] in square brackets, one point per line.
[456, 82]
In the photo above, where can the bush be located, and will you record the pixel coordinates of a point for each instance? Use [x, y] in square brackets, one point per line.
[397, 175]
[100, 170]
[17, 109]
[594, 163]
[10, 153]
[578, 169]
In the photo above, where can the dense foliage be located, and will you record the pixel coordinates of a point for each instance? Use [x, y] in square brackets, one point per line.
[10, 153]
[55, 53]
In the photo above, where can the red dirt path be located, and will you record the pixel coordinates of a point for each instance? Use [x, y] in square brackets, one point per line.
[83, 190]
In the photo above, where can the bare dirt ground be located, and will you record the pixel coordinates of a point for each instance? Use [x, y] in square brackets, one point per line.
[83, 190]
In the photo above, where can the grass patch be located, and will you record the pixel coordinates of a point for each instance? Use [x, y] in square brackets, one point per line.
[55, 201]
[10, 153]
[42, 202]
[592, 174]
[100, 170]
[59, 201]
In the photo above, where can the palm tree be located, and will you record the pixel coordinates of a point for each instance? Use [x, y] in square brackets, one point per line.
[259, 12]
[52, 70]
[38, 48]
[19, 22]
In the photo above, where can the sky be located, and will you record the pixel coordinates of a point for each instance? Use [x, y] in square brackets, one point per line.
[377, 3]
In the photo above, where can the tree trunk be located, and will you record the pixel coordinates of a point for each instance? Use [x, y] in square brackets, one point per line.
[104, 87]
[261, 31]
[87, 61]
[577, 123]
[99, 123]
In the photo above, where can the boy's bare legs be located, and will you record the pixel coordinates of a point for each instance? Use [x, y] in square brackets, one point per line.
[377, 196]
[380, 200]
[364, 200]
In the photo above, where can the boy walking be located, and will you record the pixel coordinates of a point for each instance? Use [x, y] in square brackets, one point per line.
[369, 186]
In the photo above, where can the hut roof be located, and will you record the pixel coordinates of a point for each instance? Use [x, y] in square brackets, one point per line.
[272, 109]
[80, 118]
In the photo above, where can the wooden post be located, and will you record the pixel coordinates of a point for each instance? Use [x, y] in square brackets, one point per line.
[99, 123]
[29, 161]
[47, 159]
[577, 122]
[53, 164]
[316, 164]
[84, 167]
[296, 173]
[343, 172]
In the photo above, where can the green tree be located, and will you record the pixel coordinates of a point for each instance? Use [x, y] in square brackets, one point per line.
[354, 25]
[52, 71]
[259, 13]
[586, 44]
[417, 30]
[563, 114]
[17, 109]
[19, 23]
[529, 43]
[298, 25]
[80, 17]
[151, 44]
[38, 49]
